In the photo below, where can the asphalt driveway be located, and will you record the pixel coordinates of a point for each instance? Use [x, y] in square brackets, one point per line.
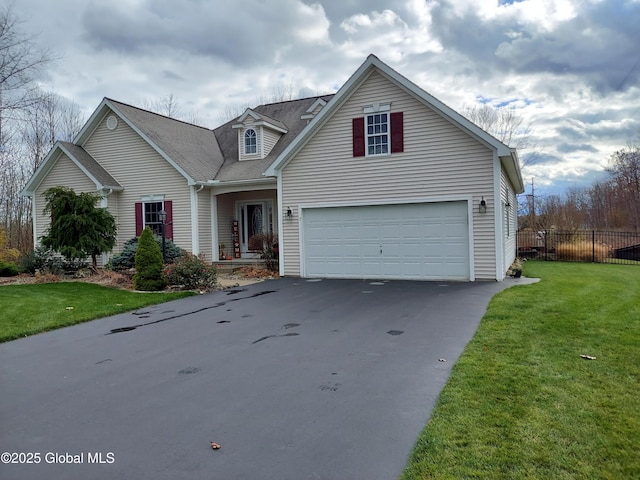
[295, 379]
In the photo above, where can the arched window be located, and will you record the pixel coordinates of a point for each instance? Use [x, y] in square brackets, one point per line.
[250, 142]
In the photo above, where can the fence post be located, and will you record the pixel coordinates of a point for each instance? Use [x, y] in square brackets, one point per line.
[593, 246]
[546, 250]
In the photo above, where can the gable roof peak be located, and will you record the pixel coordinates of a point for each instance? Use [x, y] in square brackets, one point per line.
[353, 84]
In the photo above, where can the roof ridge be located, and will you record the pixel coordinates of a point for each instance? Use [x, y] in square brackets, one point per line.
[293, 100]
[158, 114]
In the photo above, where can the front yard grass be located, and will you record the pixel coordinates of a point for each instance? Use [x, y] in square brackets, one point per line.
[31, 309]
[521, 403]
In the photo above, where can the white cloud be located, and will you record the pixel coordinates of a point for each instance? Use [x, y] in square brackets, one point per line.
[570, 67]
[388, 35]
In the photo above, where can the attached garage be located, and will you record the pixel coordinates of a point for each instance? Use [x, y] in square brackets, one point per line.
[423, 241]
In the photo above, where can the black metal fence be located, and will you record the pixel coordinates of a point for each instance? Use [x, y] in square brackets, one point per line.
[591, 246]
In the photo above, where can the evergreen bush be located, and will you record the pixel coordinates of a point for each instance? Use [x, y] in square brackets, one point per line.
[149, 264]
[126, 259]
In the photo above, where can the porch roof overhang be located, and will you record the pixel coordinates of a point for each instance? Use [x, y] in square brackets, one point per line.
[220, 187]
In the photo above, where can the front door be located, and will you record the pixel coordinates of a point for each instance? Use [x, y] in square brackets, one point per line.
[255, 217]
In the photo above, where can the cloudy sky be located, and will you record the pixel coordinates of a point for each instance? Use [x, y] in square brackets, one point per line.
[570, 68]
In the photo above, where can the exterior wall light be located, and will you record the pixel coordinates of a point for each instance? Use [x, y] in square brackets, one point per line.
[482, 208]
[289, 213]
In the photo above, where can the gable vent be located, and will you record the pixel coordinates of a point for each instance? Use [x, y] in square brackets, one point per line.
[112, 122]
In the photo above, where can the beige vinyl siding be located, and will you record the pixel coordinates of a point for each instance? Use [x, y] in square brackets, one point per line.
[509, 221]
[439, 160]
[253, 156]
[270, 138]
[63, 173]
[317, 109]
[141, 171]
[204, 226]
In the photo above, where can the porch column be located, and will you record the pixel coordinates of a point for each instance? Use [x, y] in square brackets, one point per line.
[195, 224]
[213, 198]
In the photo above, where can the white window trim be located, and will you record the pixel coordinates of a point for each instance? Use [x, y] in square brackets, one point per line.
[372, 109]
[244, 141]
[150, 199]
[376, 108]
[366, 135]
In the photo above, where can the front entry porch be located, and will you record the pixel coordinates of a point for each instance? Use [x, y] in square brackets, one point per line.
[240, 216]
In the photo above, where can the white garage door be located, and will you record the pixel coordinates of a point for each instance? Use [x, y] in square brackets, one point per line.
[427, 241]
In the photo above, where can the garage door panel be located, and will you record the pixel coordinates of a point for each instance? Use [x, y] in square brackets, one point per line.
[420, 241]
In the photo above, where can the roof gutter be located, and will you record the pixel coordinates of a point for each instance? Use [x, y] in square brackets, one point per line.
[218, 183]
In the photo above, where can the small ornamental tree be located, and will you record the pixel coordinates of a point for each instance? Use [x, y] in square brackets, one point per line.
[149, 275]
[78, 228]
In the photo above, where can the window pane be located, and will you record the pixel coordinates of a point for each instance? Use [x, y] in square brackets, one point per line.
[152, 217]
[250, 141]
[377, 134]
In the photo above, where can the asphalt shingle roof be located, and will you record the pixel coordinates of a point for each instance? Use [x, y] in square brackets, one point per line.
[288, 113]
[205, 154]
[192, 148]
[91, 165]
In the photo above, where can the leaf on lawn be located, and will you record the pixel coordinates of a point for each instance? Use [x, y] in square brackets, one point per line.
[118, 304]
[215, 446]
[587, 357]
[69, 308]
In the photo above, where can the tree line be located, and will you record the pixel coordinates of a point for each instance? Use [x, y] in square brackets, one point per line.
[610, 204]
[31, 120]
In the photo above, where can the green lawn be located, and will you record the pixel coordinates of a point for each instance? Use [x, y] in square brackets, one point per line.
[30, 309]
[522, 404]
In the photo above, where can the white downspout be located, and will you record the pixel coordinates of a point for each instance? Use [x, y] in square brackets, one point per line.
[33, 219]
[214, 226]
[497, 218]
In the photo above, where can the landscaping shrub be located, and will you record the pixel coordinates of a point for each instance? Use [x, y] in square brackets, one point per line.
[148, 264]
[267, 245]
[8, 269]
[41, 259]
[45, 260]
[191, 272]
[7, 254]
[26, 262]
[126, 259]
[582, 251]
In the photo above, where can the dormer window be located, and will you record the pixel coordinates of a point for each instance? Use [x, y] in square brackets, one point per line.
[257, 135]
[250, 141]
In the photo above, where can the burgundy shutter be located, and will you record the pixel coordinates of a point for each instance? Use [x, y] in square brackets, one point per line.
[168, 207]
[358, 137]
[138, 219]
[397, 132]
